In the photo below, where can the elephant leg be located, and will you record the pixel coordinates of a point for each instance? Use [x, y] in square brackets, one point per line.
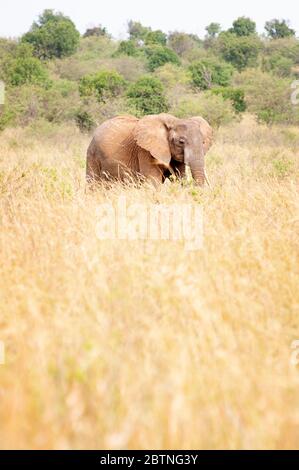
[149, 168]
[93, 164]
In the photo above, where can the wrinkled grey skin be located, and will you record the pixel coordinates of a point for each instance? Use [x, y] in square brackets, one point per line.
[153, 147]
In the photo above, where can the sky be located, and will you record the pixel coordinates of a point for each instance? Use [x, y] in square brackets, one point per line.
[192, 16]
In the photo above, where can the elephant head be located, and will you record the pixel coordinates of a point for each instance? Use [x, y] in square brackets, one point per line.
[183, 140]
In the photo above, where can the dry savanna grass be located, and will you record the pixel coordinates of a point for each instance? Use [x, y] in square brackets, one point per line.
[142, 344]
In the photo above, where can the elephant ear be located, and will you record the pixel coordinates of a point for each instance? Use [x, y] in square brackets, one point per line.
[151, 134]
[206, 131]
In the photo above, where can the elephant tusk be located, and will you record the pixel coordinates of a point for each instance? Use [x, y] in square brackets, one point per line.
[207, 179]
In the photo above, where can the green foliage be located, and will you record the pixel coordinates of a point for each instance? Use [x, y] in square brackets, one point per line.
[235, 95]
[241, 51]
[159, 55]
[210, 71]
[285, 47]
[268, 97]
[277, 29]
[103, 85]
[147, 96]
[243, 27]
[172, 75]
[84, 121]
[155, 37]
[281, 66]
[127, 48]
[53, 35]
[21, 67]
[213, 29]
[215, 109]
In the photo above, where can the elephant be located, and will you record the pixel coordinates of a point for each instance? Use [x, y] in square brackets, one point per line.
[153, 147]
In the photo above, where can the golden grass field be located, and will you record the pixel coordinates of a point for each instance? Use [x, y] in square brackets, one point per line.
[135, 345]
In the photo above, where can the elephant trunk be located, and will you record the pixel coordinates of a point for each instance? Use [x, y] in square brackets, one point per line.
[197, 165]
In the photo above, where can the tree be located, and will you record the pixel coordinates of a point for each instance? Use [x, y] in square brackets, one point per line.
[209, 71]
[155, 37]
[181, 42]
[277, 29]
[159, 55]
[243, 26]
[213, 29]
[147, 96]
[235, 95]
[103, 85]
[53, 35]
[137, 31]
[96, 31]
[240, 51]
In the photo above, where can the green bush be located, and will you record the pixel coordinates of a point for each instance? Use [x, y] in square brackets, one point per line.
[210, 71]
[103, 85]
[155, 37]
[147, 96]
[241, 51]
[235, 95]
[215, 109]
[281, 66]
[268, 97]
[26, 70]
[172, 75]
[84, 121]
[159, 55]
[53, 35]
[127, 48]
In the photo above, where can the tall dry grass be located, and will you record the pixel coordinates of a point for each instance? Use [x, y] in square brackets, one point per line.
[114, 344]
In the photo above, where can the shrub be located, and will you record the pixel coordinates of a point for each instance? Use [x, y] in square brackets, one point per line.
[23, 68]
[209, 71]
[127, 48]
[215, 109]
[172, 75]
[103, 85]
[268, 97]
[84, 121]
[285, 47]
[53, 35]
[281, 66]
[159, 55]
[235, 95]
[147, 96]
[241, 52]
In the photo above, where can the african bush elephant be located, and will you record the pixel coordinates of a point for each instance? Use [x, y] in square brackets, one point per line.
[154, 147]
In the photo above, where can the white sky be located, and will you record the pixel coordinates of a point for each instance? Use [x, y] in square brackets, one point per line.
[16, 16]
